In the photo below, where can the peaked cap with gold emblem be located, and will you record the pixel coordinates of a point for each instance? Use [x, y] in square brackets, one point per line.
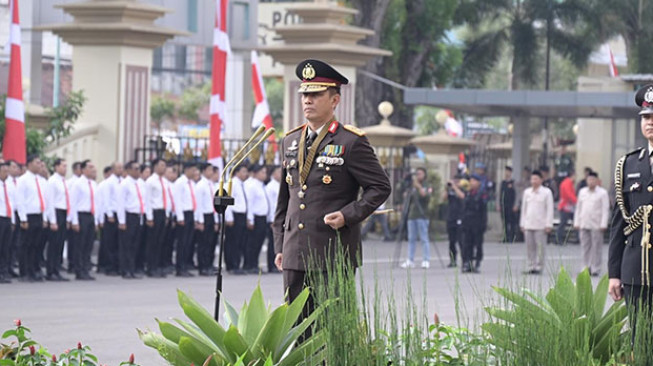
[644, 99]
[317, 76]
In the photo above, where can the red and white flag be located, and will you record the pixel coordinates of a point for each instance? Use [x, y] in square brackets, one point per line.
[14, 145]
[262, 110]
[614, 72]
[218, 108]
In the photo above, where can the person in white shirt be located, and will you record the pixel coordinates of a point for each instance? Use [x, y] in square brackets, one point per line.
[157, 210]
[206, 215]
[108, 259]
[141, 256]
[536, 221]
[171, 226]
[14, 173]
[107, 205]
[131, 200]
[43, 175]
[7, 220]
[84, 218]
[272, 192]
[185, 205]
[258, 215]
[58, 209]
[236, 223]
[30, 201]
[591, 220]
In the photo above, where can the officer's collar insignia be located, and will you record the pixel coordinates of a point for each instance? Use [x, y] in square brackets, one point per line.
[635, 187]
[293, 146]
[642, 154]
[309, 72]
[333, 127]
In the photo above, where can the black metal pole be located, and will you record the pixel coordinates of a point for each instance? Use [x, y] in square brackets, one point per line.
[220, 203]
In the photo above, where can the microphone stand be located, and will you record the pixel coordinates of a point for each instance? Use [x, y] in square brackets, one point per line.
[222, 201]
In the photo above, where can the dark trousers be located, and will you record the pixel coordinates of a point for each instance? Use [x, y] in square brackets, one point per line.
[129, 242]
[109, 244]
[55, 244]
[14, 252]
[5, 244]
[30, 242]
[509, 225]
[84, 243]
[562, 231]
[271, 254]
[454, 232]
[155, 240]
[184, 241]
[235, 241]
[206, 245]
[255, 240]
[141, 250]
[169, 242]
[472, 248]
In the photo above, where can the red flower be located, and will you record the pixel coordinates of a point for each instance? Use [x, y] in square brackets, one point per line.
[79, 345]
[131, 359]
[18, 323]
[54, 358]
[436, 318]
[32, 350]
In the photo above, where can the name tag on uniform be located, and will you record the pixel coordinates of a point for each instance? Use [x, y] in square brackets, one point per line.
[634, 175]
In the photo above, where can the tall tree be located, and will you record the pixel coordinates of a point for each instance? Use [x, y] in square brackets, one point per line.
[524, 27]
[632, 20]
[415, 31]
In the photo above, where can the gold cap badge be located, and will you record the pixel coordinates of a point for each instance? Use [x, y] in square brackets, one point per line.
[309, 72]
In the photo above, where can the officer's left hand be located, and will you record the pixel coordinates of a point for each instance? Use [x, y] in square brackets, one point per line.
[335, 219]
[547, 230]
[54, 227]
[250, 226]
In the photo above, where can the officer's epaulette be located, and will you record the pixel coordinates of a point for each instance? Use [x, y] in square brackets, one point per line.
[640, 150]
[295, 129]
[355, 130]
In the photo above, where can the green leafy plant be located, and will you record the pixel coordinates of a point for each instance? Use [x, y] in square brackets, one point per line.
[566, 327]
[63, 117]
[24, 351]
[257, 336]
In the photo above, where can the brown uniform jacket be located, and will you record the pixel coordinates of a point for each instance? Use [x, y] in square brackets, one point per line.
[299, 229]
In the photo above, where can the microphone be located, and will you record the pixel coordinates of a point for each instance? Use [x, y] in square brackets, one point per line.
[237, 156]
[248, 153]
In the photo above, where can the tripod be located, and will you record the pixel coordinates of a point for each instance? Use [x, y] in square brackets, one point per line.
[403, 221]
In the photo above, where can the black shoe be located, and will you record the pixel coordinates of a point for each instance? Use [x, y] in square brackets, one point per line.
[53, 278]
[4, 279]
[595, 274]
[84, 277]
[28, 279]
[169, 270]
[237, 272]
[253, 271]
[452, 265]
[184, 274]
[13, 274]
[112, 273]
[61, 278]
[533, 272]
[477, 268]
[37, 278]
[155, 274]
[205, 273]
[467, 268]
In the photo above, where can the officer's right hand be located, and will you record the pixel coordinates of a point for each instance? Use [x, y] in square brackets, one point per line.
[229, 223]
[522, 229]
[54, 227]
[180, 223]
[24, 225]
[614, 289]
[111, 218]
[122, 227]
[76, 228]
[278, 260]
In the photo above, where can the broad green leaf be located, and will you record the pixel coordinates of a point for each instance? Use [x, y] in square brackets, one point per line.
[195, 351]
[535, 312]
[201, 318]
[270, 336]
[600, 296]
[306, 349]
[565, 286]
[255, 317]
[171, 332]
[584, 295]
[297, 331]
[295, 310]
[501, 314]
[231, 314]
[197, 334]
[236, 344]
[167, 349]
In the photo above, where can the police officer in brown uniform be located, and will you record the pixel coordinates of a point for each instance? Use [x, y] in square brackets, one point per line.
[325, 165]
[629, 264]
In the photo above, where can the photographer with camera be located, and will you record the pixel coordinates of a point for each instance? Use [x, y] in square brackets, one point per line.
[418, 196]
[454, 196]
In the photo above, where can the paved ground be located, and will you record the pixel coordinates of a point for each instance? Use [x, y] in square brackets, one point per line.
[106, 313]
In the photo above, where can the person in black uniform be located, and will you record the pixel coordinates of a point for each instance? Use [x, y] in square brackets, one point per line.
[507, 206]
[629, 265]
[474, 221]
[454, 195]
[325, 165]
